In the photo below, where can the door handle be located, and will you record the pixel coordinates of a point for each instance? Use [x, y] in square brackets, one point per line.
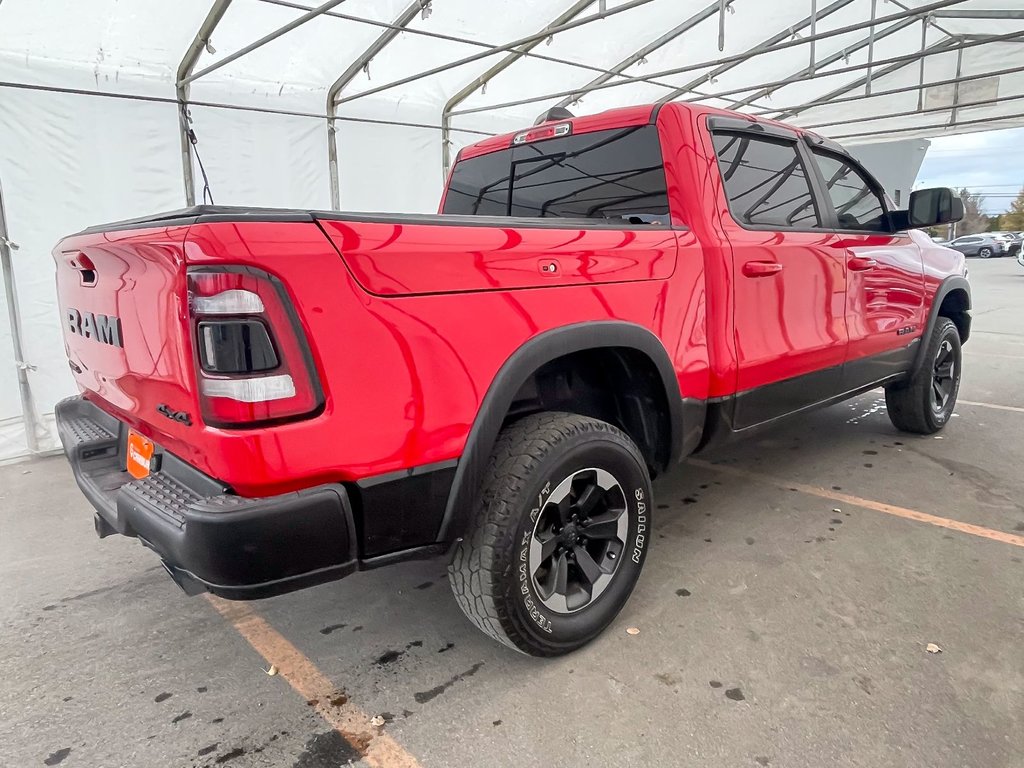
[861, 263]
[761, 268]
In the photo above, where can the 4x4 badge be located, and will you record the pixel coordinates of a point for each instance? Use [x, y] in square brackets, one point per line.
[181, 417]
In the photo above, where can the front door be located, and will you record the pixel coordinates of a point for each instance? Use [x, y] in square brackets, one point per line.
[789, 276]
[885, 277]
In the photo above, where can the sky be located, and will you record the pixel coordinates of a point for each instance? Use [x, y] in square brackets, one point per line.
[991, 163]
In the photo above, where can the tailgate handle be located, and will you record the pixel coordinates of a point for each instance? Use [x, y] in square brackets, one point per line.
[83, 265]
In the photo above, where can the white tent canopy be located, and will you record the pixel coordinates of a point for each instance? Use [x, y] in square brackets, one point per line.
[361, 104]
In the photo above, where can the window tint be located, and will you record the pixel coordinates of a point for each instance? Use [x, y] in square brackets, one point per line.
[616, 174]
[856, 203]
[479, 186]
[765, 181]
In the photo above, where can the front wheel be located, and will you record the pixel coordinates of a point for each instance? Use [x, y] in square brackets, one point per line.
[559, 536]
[925, 403]
[985, 253]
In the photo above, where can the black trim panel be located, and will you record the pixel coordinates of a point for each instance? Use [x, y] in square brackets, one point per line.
[514, 373]
[741, 125]
[867, 370]
[772, 401]
[802, 393]
[402, 510]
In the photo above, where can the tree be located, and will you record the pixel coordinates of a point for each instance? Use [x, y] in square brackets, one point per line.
[995, 223]
[974, 220]
[1013, 219]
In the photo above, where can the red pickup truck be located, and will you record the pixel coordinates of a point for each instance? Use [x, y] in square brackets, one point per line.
[277, 398]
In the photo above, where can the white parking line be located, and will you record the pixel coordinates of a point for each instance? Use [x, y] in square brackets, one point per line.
[1013, 408]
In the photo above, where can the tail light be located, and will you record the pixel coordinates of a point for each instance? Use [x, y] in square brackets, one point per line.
[253, 364]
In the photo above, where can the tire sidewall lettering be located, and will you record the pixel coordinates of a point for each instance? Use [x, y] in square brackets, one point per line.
[636, 542]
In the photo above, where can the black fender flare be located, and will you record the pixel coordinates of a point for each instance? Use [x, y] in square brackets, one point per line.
[947, 286]
[522, 364]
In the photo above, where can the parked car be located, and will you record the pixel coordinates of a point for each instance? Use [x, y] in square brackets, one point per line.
[1012, 240]
[983, 245]
[277, 398]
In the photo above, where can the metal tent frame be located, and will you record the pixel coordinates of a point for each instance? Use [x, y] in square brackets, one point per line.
[878, 28]
[498, 61]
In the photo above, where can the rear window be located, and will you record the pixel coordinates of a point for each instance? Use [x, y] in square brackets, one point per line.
[615, 174]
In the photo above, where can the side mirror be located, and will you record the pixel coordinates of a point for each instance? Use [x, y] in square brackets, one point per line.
[938, 205]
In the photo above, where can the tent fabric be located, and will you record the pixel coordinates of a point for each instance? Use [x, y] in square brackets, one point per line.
[89, 123]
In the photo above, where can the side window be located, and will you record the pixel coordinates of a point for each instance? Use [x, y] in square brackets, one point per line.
[857, 204]
[765, 182]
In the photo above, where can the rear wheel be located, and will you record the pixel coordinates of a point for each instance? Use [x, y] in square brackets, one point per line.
[559, 537]
[925, 403]
[985, 253]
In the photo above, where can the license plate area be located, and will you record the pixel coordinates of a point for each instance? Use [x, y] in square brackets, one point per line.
[140, 455]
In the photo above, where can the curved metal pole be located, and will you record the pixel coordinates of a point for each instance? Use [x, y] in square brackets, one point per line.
[764, 45]
[378, 45]
[830, 59]
[575, 10]
[280, 31]
[627, 6]
[905, 61]
[915, 13]
[706, 13]
[181, 81]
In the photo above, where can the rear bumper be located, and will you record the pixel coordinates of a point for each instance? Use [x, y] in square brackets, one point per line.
[209, 538]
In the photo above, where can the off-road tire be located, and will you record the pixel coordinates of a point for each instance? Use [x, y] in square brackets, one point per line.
[488, 572]
[910, 403]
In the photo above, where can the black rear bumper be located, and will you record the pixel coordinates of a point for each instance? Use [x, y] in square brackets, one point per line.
[208, 538]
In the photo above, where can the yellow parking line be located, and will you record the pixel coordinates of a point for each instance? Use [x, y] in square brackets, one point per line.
[376, 746]
[877, 506]
[1013, 408]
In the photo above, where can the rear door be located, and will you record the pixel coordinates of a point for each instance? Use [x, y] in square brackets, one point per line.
[789, 271]
[885, 277]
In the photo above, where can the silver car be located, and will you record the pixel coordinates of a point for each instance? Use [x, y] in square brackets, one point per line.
[982, 245]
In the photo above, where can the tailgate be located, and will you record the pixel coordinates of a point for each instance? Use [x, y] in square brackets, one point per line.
[123, 304]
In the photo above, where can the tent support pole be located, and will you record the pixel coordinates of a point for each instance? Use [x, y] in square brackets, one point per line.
[871, 48]
[920, 73]
[887, 92]
[446, 129]
[956, 85]
[827, 61]
[814, 31]
[575, 23]
[706, 13]
[188, 63]
[931, 50]
[740, 57]
[378, 45]
[764, 45]
[269, 38]
[28, 410]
